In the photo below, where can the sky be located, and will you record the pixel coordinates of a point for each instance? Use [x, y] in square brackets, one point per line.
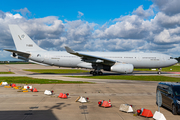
[94, 25]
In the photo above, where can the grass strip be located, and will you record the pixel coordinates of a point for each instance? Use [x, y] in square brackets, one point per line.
[29, 80]
[129, 77]
[56, 71]
[6, 73]
[174, 68]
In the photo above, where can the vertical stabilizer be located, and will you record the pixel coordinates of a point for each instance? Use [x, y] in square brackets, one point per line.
[22, 41]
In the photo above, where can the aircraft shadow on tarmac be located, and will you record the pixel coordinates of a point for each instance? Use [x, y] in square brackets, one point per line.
[58, 106]
[104, 73]
[76, 74]
[33, 114]
[28, 114]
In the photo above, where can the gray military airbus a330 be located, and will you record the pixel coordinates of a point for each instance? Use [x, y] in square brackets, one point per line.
[121, 62]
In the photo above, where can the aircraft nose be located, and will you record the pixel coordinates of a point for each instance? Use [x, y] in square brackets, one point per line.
[175, 61]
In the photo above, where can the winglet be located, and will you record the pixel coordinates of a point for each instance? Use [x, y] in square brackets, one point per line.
[69, 50]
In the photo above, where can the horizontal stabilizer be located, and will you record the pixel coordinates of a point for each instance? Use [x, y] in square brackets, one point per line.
[23, 54]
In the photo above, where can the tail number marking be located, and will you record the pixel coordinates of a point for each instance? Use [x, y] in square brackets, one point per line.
[29, 45]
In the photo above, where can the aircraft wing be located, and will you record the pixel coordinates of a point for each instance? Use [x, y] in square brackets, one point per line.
[91, 58]
[23, 54]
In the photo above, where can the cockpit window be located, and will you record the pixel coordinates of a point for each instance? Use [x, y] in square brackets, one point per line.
[171, 58]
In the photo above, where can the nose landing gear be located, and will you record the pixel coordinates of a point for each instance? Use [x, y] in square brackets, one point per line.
[159, 71]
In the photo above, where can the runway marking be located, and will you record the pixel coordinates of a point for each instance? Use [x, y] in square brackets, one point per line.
[174, 72]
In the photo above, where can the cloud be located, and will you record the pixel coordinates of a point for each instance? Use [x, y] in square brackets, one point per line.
[2, 14]
[78, 32]
[127, 27]
[167, 21]
[80, 14]
[24, 12]
[144, 13]
[167, 36]
[120, 45]
[169, 7]
[38, 29]
[5, 56]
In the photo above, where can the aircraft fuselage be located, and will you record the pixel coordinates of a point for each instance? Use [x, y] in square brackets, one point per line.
[139, 60]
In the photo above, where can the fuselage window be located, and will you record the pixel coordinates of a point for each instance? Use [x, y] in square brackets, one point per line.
[38, 55]
[128, 57]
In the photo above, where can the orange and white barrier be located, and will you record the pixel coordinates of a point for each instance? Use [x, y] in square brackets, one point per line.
[4, 83]
[103, 103]
[34, 90]
[158, 116]
[82, 99]
[27, 87]
[144, 112]
[126, 108]
[63, 95]
[48, 92]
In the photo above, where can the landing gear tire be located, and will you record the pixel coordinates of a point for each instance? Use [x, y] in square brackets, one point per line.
[94, 73]
[159, 72]
[91, 72]
[174, 111]
[100, 73]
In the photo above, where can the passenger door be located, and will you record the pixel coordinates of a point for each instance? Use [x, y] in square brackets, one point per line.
[169, 97]
[164, 96]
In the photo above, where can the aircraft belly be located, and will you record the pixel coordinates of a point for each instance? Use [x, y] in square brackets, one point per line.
[147, 64]
[67, 62]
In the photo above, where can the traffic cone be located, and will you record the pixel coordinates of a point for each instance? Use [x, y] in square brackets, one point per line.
[110, 103]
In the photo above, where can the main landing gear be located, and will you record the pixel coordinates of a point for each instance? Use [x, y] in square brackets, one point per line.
[96, 72]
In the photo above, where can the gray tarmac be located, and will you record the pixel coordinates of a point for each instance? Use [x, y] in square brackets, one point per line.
[36, 106]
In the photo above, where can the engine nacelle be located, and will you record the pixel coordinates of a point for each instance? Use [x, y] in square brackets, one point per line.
[85, 65]
[122, 68]
[14, 55]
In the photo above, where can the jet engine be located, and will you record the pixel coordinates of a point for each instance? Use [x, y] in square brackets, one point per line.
[14, 55]
[122, 68]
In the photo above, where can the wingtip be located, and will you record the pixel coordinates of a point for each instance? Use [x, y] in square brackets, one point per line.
[69, 50]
